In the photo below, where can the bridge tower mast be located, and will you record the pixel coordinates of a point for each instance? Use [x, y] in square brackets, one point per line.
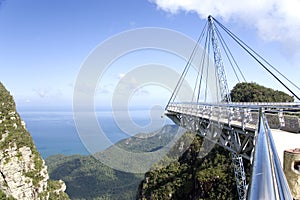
[225, 97]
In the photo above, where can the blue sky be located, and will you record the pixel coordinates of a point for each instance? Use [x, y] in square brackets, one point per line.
[44, 43]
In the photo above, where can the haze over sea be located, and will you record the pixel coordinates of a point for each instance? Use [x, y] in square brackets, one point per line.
[54, 132]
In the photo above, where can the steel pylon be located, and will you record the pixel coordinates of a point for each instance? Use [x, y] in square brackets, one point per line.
[237, 160]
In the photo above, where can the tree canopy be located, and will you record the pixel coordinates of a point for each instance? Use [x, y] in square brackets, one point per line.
[253, 92]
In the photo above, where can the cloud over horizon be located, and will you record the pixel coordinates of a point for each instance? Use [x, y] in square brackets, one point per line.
[273, 20]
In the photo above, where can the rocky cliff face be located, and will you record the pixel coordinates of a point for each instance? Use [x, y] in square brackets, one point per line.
[23, 173]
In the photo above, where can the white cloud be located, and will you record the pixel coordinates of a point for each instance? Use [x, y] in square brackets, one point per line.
[274, 20]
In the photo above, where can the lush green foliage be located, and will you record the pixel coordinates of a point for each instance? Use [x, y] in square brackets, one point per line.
[252, 92]
[174, 177]
[192, 176]
[149, 142]
[88, 178]
[4, 197]
[53, 186]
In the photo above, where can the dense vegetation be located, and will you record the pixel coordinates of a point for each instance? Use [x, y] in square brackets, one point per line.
[12, 123]
[4, 197]
[149, 142]
[252, 92]
[88, 178]
[174, 177]
[211, 177]
[192, 176]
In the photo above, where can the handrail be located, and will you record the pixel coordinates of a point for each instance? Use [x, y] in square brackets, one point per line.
[252, 105]
[282, 185]
[268, 180]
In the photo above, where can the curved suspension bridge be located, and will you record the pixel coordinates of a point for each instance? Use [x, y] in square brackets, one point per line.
[242, 128]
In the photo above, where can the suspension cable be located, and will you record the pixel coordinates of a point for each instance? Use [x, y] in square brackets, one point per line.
[203, 64]
[187, 66]
[242, 44]
[206, 84]
[233, 35]
[200, 67]
[226, 49]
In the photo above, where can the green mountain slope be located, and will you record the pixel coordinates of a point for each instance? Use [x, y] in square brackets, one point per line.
[193, 176]
[88, 178]
[196, 174]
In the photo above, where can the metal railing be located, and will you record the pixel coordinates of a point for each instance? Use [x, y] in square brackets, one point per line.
[268, 180]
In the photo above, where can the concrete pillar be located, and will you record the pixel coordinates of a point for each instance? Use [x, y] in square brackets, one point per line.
[291, 167]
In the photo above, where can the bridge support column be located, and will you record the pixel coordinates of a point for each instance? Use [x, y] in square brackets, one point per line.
[239, 174]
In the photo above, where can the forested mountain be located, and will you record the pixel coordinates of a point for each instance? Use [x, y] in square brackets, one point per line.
[193, 176]
[196, 174]
[88, 178]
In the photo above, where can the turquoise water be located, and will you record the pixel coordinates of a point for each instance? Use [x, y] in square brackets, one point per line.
[55, 132]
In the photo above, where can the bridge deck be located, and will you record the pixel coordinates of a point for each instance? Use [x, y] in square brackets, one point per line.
[240, 121]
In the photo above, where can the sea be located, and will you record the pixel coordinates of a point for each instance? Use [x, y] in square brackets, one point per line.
[55, 132]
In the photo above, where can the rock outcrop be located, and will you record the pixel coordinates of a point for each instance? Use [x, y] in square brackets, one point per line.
[23, 173]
